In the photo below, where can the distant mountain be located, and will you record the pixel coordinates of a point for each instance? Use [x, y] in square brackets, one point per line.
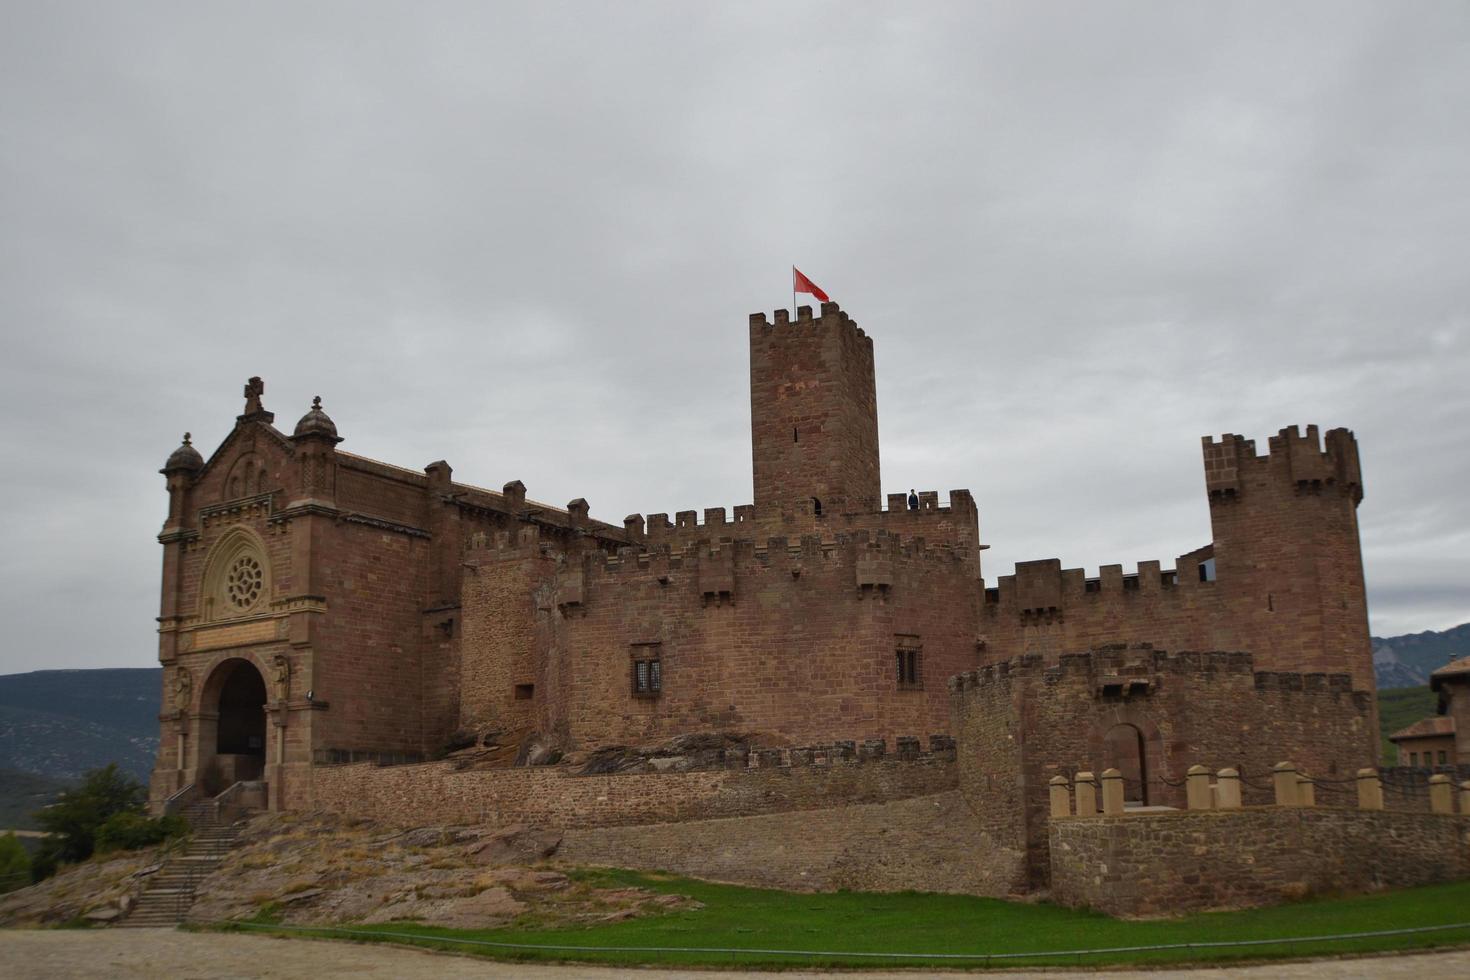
[1407, 661]
[60, 723]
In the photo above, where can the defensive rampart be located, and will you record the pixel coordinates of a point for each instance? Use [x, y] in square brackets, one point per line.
[1173, 863]
[1149, 714]
[770, 781]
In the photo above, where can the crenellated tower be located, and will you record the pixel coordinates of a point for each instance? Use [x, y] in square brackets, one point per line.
[813, 414]
[1286, 545]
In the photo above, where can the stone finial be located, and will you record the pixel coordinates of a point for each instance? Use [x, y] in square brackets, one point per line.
[1306, 790]
[1085, 784]
[1227, 789]
[1197, 788]
[1112, 792]
[1061, 802]
[316, 423]
[1283, 781]
[1441, 794]
[186, 457]
[1370, 790]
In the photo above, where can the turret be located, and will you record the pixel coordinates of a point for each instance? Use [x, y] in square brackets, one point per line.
[1286, 549]
[316, 449]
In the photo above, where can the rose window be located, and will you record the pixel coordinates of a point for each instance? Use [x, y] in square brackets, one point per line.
[244, 581]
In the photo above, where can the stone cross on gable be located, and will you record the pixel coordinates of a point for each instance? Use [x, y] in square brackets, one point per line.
[254, 388]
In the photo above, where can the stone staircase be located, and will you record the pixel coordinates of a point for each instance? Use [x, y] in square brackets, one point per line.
[169, 893]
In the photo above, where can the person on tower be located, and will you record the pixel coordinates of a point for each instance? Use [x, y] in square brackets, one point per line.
[913, 499]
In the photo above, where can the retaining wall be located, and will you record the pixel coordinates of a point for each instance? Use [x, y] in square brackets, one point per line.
[1188, 861]
[561, 798]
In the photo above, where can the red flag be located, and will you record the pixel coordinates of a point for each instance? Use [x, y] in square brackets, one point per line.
[801, 284]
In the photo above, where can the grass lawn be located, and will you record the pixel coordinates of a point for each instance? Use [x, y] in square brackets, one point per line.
[761, 919]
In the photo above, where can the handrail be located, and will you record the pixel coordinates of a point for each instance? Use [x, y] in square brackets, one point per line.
[177, 799]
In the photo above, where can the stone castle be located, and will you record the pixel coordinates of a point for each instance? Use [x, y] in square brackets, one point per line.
[321, 609]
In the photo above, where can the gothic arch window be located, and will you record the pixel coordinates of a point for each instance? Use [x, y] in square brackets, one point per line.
[237, 579]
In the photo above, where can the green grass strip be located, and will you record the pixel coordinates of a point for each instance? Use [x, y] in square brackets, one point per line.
[760, 927]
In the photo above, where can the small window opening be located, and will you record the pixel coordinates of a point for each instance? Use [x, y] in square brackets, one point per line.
[793, 435]
[909, 659]
[1270, 602]
[524, 692]
[647, 676]
[1207, 570]
[816, 507]
[1443, 759]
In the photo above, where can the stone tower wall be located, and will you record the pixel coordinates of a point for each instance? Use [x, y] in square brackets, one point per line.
[813, 413]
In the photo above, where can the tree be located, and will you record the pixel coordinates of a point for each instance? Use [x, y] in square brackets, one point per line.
[15, 864]
[74, 819]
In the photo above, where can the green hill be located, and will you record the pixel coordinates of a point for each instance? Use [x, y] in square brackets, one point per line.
[60, 723]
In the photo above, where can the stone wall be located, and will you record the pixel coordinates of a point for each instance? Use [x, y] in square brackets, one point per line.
[926, 843]
[554, 797]
[1020, 723]
[1188, 861]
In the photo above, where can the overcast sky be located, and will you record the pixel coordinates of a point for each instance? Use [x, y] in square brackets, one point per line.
[526, 239]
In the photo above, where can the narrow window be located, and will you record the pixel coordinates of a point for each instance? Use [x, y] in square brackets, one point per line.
[1442, 760]
[1414, 759]
[793, 435]
[816, 507]
[524, 692]
[909, 661]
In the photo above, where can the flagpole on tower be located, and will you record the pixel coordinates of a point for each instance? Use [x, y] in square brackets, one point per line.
[793, 294]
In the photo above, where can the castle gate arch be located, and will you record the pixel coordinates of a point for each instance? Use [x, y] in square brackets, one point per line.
[235, 695]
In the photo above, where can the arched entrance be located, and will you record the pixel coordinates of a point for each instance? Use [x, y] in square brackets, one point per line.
[239, 701]
[1124, 749]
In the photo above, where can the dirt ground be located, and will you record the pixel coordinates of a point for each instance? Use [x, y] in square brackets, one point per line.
[149, 953]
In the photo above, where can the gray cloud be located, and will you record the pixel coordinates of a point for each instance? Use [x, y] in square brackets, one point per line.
[525, 238]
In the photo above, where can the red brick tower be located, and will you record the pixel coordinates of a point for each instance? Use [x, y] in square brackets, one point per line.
[813, 414]
[1286, 548]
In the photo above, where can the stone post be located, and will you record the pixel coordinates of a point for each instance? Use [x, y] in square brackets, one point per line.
[1197, 788]
[1441, 794]
[1306, 790]
[1061, 804]
[1227, 789]
[1283, 780]
[1370, 790]
[1112, 792]
[1465, 796]
[1086, 789]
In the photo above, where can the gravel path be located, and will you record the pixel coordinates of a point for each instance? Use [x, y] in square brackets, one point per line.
[150, 953]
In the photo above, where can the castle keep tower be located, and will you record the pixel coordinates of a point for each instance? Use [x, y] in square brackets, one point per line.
[813, 414]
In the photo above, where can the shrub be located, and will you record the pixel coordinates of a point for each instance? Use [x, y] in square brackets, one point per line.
[74, 819]
[15, 864]
[129, 831]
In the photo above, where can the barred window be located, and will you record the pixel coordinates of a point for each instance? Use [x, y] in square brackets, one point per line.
[909, 659]
[648, 670]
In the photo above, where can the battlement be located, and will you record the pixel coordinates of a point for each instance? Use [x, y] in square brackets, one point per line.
[841, 549]
[1124, 668]
[831, 315]
[1043, 586]
[1293, 459]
